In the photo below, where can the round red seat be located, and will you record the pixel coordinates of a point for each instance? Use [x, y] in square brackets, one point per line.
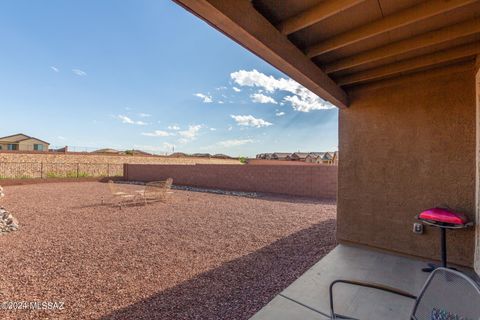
[443, 216]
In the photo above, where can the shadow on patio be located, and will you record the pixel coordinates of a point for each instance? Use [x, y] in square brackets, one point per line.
[239, 288]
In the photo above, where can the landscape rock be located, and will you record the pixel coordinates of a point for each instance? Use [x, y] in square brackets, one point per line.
[8, 222]
[218, 191]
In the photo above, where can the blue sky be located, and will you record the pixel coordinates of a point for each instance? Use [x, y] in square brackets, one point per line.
[147, 74]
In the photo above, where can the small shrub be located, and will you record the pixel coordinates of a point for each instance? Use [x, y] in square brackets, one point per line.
[71, 174]
[243, 160]
[53, 174]
[84, 175]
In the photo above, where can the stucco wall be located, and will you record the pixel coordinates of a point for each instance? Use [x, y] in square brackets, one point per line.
[307, 181]
[477, 236]
[407, 146]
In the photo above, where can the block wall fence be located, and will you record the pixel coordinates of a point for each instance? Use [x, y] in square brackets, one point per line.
[316, 181]
[78, 157]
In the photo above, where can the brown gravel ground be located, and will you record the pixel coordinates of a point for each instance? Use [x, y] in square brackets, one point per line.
[201, 256]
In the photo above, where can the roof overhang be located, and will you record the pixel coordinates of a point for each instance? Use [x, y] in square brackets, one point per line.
[329, 46]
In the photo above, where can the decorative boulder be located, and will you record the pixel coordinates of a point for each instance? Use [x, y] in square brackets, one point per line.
[7, 221]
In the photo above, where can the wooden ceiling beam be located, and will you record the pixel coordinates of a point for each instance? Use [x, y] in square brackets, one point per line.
[413, 64]
[428, 39]
[240, 21]
[315, 14]
[391, 22]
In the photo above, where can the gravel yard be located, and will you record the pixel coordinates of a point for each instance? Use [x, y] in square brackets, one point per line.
[200, 256]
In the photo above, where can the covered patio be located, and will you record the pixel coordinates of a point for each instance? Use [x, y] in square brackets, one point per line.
[404, 75]
[307, 297]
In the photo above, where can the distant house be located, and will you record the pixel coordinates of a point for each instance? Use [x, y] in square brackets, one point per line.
[315, 157]
[321, 157]
[22, 142]
[328, 157]
[309, 157]
[61, 150]
[299, 156]
[335, 158]
[264, 156]
[280, 156]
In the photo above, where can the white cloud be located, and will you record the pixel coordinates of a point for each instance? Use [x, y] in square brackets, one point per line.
[127, 120]
[79, 72]
[205, 98]
[220, 102]
[261, 98]
[173, 127]
[236, 89]
[157, 133]
[250, 121]
[213, 129]
[144, 115]
[54, 68]
[234, 142]
[302, 99]
[230, 128]
[307, 103]
[190, 134]
[279, 114]
[61, 138]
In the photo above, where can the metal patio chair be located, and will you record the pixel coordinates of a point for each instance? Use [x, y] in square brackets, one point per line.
[446, 295]
[156, 191]
[120, 197]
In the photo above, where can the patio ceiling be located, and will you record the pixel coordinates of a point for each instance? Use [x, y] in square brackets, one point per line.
[331, 45]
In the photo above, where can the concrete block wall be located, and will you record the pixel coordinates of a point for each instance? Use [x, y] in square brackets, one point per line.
[306, 181]
[50, 157]
[23, 165]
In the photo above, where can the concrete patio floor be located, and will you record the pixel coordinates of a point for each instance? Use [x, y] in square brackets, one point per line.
[307, 297]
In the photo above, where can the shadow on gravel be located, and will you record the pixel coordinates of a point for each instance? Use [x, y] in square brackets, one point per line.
[238, 288]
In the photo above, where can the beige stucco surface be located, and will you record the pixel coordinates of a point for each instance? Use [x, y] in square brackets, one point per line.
[407, 146]
[477, 235]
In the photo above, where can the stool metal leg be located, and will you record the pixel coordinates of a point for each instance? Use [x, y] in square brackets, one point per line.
[443, 252]
[443, 241]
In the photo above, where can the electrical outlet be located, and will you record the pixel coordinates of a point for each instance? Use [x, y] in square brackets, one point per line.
[417, 228]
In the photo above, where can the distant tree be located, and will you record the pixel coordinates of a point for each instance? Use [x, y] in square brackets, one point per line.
[242, 159]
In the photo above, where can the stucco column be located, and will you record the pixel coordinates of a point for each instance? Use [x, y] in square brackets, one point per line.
[477, 191]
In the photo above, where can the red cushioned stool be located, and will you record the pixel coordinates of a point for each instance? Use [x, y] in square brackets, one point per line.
[443, 219]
